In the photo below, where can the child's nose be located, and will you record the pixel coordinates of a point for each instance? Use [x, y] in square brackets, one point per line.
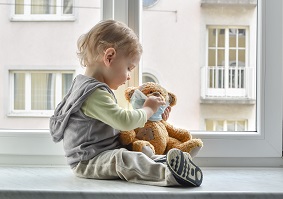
[129, 76]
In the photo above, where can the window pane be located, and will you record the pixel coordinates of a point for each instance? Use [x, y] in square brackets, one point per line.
[19, 91]
[43, 6]
[230, 125]
[211, 58]
[233, 37]
[67, 79]
[209, 125]
[68, 7]
[233, 58]
[221, 37]
[221, 57]
[242, 38]
[241, 126]
[42, 91]
[148, 77]
[19, 7]
[219, 125]
[210, 54]
[241, 58]
[212, 37]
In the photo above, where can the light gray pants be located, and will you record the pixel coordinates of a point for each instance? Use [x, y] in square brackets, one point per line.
[127, 165]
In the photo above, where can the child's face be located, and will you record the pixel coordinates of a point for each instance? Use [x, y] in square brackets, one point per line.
[120, 69]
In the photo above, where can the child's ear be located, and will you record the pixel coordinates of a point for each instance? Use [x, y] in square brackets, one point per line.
[109, 55]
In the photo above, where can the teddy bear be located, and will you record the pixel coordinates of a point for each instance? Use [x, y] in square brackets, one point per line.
[157, 134]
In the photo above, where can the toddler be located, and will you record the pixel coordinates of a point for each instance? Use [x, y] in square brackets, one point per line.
[89, 120]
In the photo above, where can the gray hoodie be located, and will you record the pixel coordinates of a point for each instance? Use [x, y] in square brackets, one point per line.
[83, 137]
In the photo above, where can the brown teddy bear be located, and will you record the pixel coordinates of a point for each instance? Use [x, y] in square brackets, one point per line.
[157, 134]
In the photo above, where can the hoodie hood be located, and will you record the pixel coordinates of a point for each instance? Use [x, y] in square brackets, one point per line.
[81, 88]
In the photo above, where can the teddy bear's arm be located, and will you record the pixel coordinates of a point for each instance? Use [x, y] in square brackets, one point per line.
[178, 133]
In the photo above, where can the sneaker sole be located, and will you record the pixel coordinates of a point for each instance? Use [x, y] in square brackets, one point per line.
[184, 170]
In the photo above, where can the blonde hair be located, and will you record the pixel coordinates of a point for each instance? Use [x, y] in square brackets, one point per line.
[107, 34]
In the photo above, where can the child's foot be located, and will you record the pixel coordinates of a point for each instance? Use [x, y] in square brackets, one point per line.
[183, 169]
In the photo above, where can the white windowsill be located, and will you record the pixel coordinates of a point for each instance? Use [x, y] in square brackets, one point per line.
[60, 182]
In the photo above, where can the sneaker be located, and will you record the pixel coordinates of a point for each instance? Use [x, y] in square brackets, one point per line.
[183, 169]
[161, 160]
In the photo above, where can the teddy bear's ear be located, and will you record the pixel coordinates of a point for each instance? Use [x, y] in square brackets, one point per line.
[129, 92]
[172, 99]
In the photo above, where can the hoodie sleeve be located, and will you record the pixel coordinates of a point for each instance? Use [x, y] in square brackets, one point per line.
[101, 105]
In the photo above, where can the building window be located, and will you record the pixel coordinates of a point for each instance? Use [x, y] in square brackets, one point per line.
[36, 93]
[148, 77]
[41, 10]
[226, 125]
[228, 73]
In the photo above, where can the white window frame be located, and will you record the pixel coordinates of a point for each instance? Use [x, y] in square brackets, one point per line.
[260, 148]
[28, 112]
[27, 16]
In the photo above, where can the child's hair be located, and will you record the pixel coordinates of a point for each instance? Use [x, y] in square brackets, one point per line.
[107, 34]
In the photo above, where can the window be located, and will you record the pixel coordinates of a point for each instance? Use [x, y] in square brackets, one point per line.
[37, 93]
[227, 73]
[29, 141]
[226, 125]
[148, 77]
[215, 63]
[40, 10]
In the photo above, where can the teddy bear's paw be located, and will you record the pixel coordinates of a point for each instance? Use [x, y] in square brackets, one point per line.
[147, 150]
[195, 151]
[140, 144]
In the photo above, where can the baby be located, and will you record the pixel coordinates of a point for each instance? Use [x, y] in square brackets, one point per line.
[89, 119]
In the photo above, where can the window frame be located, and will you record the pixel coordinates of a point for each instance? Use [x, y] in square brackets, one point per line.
[59, 16]
[261, 148]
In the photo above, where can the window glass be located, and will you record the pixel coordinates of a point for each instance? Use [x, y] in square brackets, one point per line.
[19, 6]
[67, 6]
[42, 91]
[67, 79]
[19, 91]
[43, 6]
[206, 54]
[37, 66]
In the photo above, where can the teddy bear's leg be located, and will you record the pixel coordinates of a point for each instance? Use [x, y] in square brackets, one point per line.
[178, 133]
[127, 137]
[192, 146]
[142, 146]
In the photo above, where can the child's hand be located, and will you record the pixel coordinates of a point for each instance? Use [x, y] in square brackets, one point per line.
[166, 113]
[151, 105]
